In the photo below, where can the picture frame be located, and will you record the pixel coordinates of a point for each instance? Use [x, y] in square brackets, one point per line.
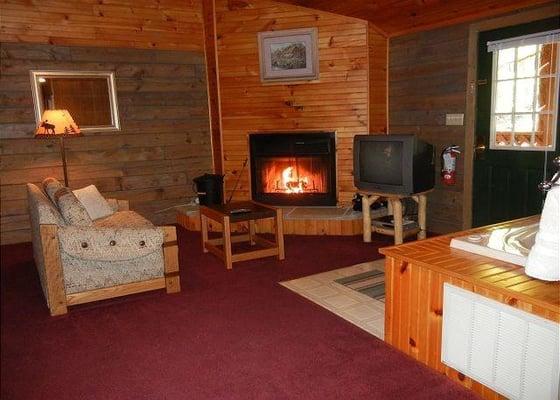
[289, 55]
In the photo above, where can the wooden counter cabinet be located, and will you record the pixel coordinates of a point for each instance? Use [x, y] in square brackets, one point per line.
[415, 273]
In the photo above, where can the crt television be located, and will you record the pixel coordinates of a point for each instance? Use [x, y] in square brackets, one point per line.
[396, 164]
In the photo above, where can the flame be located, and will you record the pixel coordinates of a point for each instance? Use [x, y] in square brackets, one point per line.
[284, 175]
[291, 183]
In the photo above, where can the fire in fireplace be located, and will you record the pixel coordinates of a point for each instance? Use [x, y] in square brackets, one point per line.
[293, 169]
[293, 175]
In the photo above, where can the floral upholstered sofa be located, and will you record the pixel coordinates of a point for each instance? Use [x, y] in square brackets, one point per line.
[96, 248]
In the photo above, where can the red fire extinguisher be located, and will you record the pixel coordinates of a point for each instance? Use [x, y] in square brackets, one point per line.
[449, 164]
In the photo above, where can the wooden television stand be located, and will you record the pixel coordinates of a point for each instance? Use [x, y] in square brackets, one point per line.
[395, 208]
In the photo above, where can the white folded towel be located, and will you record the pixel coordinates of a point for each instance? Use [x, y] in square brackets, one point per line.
[544, 258]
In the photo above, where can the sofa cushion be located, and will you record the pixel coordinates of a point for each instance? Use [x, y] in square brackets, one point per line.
[73, 212]
[81, 275]
[129, 219]
[51, 186]
[112, 240]
[94, 203]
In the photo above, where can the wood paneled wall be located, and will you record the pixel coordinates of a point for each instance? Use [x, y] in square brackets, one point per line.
[378, 60]
[164, 141]
[146, 24]
[211, 55]
[338, 101]
[427, 79]
[165, 138]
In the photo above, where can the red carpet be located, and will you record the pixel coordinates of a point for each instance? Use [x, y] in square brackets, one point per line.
[228, 335]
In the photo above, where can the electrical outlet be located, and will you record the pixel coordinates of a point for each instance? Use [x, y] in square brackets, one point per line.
[454, 119]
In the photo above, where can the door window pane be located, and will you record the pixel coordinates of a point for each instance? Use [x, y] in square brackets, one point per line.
[526, 61]
[524, 97]
[503, 139]
[504, 123]
[543, 125]
[506, 61]
[504, 97]
[546, 91]
[523, 140]
[548, 58]
[524, 123]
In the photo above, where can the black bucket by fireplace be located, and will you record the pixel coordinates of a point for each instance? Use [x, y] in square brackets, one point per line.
[293, 168]
[209, 188]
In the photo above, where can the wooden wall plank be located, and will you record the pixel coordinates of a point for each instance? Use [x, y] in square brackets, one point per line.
[211, 55]
[163, 144]
[427, 79]
[378, 85]
[146, 24]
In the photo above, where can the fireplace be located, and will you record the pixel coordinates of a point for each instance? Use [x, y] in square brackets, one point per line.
[293, 168]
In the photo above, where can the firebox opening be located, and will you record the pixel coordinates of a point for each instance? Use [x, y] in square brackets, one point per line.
[293, 169]
[293, 175]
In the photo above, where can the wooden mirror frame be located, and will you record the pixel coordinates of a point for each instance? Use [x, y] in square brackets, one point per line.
[112, 93]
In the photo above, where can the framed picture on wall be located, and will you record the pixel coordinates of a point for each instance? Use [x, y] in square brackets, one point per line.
[289, 55]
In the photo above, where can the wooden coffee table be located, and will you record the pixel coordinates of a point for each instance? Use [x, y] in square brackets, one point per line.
[222, 246]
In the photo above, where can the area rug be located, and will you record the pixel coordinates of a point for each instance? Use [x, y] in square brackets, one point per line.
[370, 283]
[355, 293]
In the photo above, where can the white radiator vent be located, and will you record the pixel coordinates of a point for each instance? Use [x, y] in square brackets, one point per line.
[511, 351]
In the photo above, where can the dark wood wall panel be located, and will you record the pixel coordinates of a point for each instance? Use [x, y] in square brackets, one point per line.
[427, 79]
[164, 141]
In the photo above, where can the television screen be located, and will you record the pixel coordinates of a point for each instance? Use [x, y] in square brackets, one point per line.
[381, 162]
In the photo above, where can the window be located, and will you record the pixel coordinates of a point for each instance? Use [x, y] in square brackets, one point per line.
[524, 93]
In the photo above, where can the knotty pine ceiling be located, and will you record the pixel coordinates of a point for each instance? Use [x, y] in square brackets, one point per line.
[398, 17]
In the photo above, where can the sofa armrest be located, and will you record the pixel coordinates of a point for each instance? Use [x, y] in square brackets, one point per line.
[54, 275]
[171, 259]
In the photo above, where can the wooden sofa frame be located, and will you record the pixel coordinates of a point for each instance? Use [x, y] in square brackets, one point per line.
[59, 301]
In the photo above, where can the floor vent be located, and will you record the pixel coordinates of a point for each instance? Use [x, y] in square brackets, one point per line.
[510, 351]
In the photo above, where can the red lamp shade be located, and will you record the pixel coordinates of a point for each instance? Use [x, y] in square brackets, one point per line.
[57, 122]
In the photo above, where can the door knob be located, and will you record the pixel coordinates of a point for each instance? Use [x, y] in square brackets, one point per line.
[479, 147]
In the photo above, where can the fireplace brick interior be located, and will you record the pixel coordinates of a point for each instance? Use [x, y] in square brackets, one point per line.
[293, 168]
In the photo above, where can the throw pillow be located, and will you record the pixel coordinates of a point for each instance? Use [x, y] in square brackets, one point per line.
[73, 212]
[94, 202]
[51, 186]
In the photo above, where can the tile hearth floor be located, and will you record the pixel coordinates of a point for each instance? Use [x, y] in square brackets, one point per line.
[355, 307]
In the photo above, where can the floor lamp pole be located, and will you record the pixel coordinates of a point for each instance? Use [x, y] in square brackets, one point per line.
[63, 154]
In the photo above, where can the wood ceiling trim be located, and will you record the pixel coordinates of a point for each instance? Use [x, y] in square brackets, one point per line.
[471, 17]
[399, 17]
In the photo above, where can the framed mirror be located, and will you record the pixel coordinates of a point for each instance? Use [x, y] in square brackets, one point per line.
[90, 97]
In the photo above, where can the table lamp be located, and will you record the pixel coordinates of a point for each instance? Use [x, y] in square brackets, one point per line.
[58, 123]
